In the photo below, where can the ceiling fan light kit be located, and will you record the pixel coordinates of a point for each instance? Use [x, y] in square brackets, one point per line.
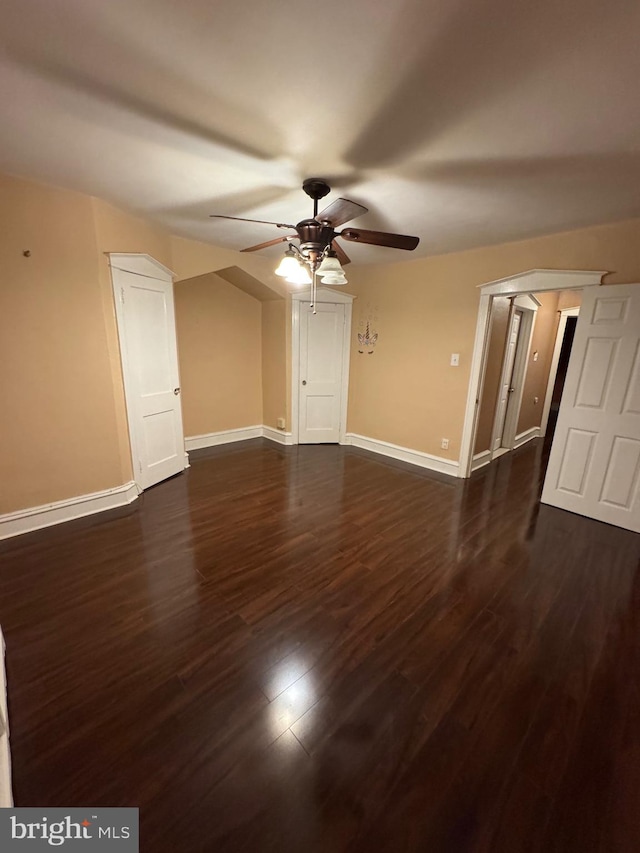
[330, 264]
[334, 278]
[288, 265]
[299, 276]
[318, 253]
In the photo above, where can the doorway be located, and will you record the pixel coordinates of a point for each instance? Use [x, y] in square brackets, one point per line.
[558, 371]
[522, 314]
[143, 297]
[536, 281]
[320, 367]
[499, 439]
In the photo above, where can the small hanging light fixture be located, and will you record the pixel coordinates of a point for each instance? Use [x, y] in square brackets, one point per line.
[330, 265]
[288, 265]
[299, 276]
[334, 278]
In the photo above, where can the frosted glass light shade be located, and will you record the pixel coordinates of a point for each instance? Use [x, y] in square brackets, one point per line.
[299, 275]
[330, 265]
[334, 278]
[288, 266]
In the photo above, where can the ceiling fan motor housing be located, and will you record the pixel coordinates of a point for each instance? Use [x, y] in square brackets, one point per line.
[314, 237]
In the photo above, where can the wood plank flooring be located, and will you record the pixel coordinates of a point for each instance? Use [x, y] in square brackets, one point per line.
[314, 649]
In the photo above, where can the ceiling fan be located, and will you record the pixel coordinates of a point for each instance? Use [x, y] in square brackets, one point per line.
[318, 249]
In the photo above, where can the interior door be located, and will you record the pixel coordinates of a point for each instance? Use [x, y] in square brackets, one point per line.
[505, 382]
[146, 326]
[321, 369]
[594, 465]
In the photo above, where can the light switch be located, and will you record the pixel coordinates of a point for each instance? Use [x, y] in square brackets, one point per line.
[535, 355]
[455, 359]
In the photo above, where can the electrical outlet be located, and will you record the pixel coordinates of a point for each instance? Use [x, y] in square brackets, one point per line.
[444, 444]
[280, 423]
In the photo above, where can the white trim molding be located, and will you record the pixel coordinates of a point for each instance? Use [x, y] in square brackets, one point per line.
[37, 517]
[481, 459]
[527, 435]
[277, 435]
[228, 436]
[540, 280]
[139, 264]
[225, 436]
[324, 294]
[404, 454]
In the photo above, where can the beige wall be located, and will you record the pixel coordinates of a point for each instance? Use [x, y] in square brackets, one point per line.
[58, 429]
[569, 299]
[406, 392]
[220, 354]
[63, 428]
[190, 258]
[275, 317]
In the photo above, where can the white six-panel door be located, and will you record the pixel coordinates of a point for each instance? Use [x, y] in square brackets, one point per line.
[146, 327]
[321, 367]
[594, 466]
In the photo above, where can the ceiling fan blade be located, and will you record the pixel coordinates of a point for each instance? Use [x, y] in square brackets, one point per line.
[269, 243]
[380, 238]
[340, 211]
[261, 221]
[340, 252]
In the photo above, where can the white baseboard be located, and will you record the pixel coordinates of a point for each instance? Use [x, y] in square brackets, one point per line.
[228, 436]
[36, 517]
[527, 435]
[404, 454]
[278, 435]
[225, 436]
[481, 459]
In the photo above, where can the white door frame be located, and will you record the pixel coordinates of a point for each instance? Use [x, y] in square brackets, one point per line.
[499, 419]
[148, 267]
[323, 295]
[532, 281]
[548, 397]
[523, 351]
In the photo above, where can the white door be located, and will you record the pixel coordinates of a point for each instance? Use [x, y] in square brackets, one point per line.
[505, 382]
[146, 327]
[594, 466]
[321, 366]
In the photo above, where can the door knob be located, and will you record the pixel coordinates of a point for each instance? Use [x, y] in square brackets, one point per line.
[176, 391]
[304, 381]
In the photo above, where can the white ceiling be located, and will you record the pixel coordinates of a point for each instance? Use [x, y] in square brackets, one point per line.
[464, 123]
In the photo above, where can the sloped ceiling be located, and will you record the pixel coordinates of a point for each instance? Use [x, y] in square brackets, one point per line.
[463, 122]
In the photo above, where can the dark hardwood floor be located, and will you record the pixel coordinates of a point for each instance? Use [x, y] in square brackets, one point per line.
[313, 649]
